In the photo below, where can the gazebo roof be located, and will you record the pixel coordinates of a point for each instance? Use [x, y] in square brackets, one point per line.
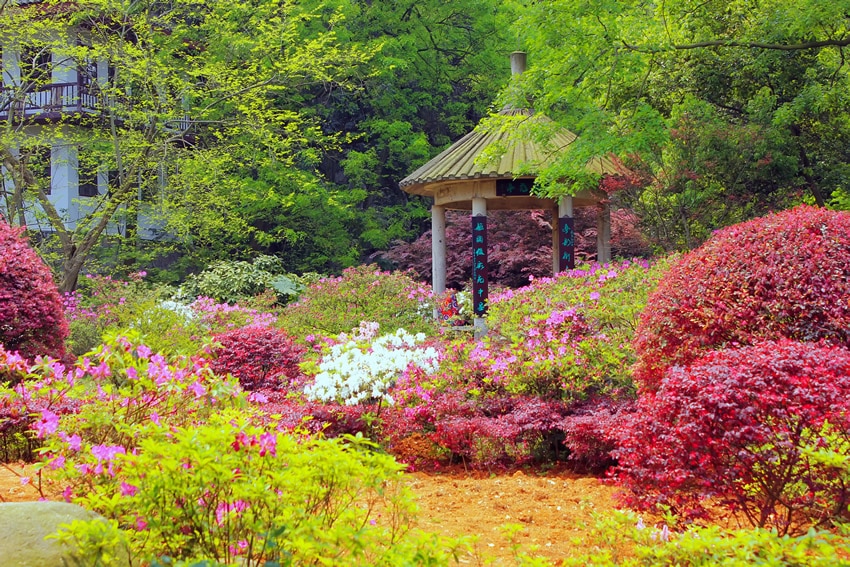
[460, 160]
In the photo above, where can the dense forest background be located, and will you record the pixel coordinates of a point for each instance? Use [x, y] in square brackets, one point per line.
[283, 127]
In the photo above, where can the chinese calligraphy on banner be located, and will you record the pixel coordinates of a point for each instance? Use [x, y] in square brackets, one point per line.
[479, 265]
[566, 244]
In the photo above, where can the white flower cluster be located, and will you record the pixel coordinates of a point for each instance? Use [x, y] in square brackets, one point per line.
[355, 372]
[177, 307]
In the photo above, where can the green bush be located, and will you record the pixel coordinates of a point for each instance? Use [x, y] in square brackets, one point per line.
[336, 305]
[230, 493]
[624, 540]
[236, 281]
[103, 305]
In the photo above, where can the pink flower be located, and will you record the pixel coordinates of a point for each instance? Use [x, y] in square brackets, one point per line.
[74, 442]
[128, 489]
[106, 454]
[257, 398]
[268, 443]
[47, 424]
[198, 389]
[57, 463]
[225, 508]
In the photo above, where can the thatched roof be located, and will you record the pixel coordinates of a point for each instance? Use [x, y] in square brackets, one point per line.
[460, 160]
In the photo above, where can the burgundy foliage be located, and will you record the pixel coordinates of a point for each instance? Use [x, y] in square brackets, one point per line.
[783, 275]
[32, 321]
[260, 357]
[728, 432]
[592, 430]
[520, 245]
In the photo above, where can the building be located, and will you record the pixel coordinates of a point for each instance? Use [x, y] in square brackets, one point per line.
[55, 100]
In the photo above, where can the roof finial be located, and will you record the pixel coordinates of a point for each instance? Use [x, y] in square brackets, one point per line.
[517, 62]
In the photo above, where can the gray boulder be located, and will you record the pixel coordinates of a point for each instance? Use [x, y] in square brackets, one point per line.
[24, 526]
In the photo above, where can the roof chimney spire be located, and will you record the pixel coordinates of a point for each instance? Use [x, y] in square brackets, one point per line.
[517, 62]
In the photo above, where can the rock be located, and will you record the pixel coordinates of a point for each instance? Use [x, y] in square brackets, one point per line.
[24, 525]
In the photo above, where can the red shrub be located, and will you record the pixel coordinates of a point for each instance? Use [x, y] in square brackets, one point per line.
[783, 275]
[728, 431]
[591, 431]
[31, 318]
[261, 357]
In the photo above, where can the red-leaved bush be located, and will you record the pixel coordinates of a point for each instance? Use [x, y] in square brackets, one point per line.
[783, 275]
[31, 318]
[729, 433]
[260, 357]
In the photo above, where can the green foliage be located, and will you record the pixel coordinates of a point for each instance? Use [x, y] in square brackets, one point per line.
[254, 496]
[232, 207]
[336, 305]
[93, 543]
[726, 111]
[235, 281]
[624, 540]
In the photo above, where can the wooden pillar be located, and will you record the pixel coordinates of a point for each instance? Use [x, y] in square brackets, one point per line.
[603, 235]
[480, 276]
[563, 236]
[438, 249]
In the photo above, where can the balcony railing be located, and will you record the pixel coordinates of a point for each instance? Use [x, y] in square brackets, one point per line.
[48, 102]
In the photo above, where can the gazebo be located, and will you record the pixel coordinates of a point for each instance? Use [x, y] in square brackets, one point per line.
[457, 179]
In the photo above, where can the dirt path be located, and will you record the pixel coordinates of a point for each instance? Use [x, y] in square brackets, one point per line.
[553, 510]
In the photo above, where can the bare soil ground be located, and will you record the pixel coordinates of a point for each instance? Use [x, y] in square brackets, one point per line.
[553, 510]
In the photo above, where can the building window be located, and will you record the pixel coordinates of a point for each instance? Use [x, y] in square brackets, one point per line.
[115, 182]
[35, 66]
[37, 161]
[87, 175]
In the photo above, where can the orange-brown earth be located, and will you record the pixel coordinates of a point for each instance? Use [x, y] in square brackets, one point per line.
[553, 510]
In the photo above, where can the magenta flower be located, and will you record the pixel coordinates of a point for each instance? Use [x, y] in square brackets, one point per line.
[128, 489]
[198, 389]
[47, 424]
[57, 463]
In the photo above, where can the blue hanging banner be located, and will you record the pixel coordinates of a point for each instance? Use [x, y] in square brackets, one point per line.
[479, 265]
[566, 244]
[514, 187]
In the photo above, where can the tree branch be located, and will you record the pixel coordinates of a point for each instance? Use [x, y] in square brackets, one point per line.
[750, 44]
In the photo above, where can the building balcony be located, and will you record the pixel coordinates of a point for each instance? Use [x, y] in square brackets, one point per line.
[48, 103]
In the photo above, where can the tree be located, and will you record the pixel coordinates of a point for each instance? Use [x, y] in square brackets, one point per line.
[731, 109]
[191, 82]
[436, 71]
